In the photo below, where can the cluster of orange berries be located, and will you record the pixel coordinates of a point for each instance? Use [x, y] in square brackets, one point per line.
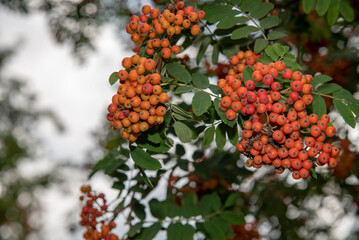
[136, 106]
[94, 209]
[160, 27]
[278, 121]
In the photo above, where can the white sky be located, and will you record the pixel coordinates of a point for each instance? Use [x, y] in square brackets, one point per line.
[79, 95]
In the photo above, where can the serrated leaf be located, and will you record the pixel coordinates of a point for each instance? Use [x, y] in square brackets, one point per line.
[201, 102]
[157, 208]
[347, 11]
[333, 12]
[200, 81]
[271, 53]
[151, 232]
[183, 132]
[221, 136]
[247, 73]
[314, 174]
[143, 159]
[154, 137]
[328, 88]
[230, 21]
[202, 49]
[345, 112]
[274, 35]
[208, 136]
[261, 10]
[243, 32]
[113, 78]
[233, 134]
[177, 231]
[319, 106]
[232, 218]
[320, 79]
[260, 44]
[161, 147]
[179, 72]
[222, 115]
[307, 5]
[215, 53]
[269, 22]
[280, 49]
[322, 6]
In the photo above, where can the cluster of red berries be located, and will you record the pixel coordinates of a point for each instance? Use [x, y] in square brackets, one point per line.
[135, 108]
[160, 27]
[92, 216]
[278, 121]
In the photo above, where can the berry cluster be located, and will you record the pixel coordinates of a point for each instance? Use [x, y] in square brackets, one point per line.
[135, 108]
[278, 131]
[160, 27]
[92, 212]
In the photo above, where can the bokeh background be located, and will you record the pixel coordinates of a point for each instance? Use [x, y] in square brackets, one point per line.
[55, 59]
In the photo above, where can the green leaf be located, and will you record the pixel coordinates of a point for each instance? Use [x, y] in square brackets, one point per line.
[143, 159]
[113, 78]
[215, 53]
[280, 49]
[261, 10]
[134, 229]
[222, 115]
[139, 210]
[271, 53]
[345, 112]
[231, 200]
[180, 151]
[322, 6]
[201, 102]
[177, 231]
[347, 11]
[314, 174]
[233, 134]
[179, 72]
[290, 61]
[183, 132]
[345, 96]
[208, 136]
[109, 163]
[307, 5]
[260, 44]
[202, 49]
[157, 208]
[230, 21]
[151, 232]
[329, 88]
[333, 12]
[248, 5]
[319, 106]
[269, 22]
[183, 89]
[355, 108]
[154, 137]
[243, 32]
[216, 12]
[200, 81]
[274, 35]
[247, 73]
[214, 230]
[161, 147]
[221, 136]
[320, 79]
[232, 218]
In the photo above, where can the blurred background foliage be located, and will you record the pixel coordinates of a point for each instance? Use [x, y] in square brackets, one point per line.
[272, 206]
